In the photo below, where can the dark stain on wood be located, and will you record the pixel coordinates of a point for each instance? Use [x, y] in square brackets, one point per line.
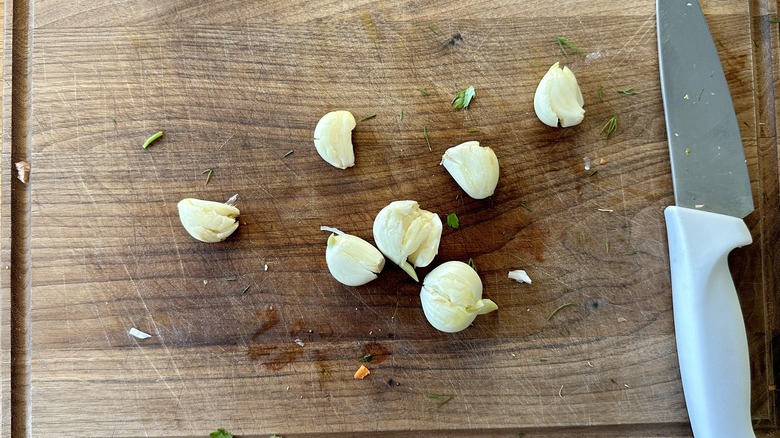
[287, 355]
[457, 38]
[378, 352]
[257, 351]
[324, 371]
[268, 317]
[595, 303]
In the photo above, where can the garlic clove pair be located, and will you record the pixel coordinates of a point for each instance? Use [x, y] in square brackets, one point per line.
[474, 168]
[208, 221]
[407, 235]
[351, 260]
[558, 98]
[451, 297]
[333, 138]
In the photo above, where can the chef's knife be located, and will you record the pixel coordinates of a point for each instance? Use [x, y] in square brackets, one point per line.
[712, 195]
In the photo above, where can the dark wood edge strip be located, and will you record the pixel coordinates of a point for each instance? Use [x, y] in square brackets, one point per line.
[20, 257]
[766, 42]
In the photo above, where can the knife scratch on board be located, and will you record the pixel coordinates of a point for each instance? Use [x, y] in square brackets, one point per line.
[649, 28]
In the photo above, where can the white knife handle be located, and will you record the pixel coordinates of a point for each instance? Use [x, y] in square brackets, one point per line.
[711, 339]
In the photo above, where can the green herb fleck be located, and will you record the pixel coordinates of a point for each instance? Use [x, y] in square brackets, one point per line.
[368, 117]
[473, 130]
[221, 433]
[433, 29]
[565, 43]
[208, 173]
[463, 98]
[427, 140]
[439, 398]
[151, 139]
[472, 264]
[452, 220]
[230, 279]
[424, 91]
[114, 120]
[610, 126]
[698, 99]
[774, 20]
[243, 292]
[628, 91]
[688, 151]
[544, 360]
[367, 358]
[600, 92]
[558, 309]
[525, 206]
[519, 435]
[288, 153]
[402, 115]
[606, 246]
[593, 172]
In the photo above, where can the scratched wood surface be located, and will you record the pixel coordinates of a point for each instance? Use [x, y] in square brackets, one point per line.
[252, 334]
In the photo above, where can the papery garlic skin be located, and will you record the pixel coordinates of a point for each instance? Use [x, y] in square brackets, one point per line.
[333, 138]
[208, 221]
[520, 276]
[407, 235]
[451, 297]
[351, 260]
[474, 168]
[558, 98]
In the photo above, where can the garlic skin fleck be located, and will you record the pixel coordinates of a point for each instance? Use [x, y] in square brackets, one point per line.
[558, 98]
[451, 297]
[520, 276]
[474, 168]
[333, 138]
[351, 260]
[208, 221]
[407, 235]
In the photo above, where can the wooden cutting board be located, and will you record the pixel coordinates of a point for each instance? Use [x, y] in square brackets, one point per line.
[253, 335]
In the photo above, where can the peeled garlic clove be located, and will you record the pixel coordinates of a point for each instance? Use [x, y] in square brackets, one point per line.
[451, 297]
[333, 138]
[474, 168]
[407, 235]
[208, 221]
[351, 260]
[558, 98]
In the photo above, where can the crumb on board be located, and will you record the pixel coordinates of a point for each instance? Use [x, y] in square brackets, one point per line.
[22, 171]
[362, 372]
[134, 332]
[520, 276]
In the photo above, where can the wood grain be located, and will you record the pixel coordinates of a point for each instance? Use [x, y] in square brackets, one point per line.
[235, 86]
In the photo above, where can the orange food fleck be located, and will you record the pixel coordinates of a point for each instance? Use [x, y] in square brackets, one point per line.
[602, 161]
[362, 372]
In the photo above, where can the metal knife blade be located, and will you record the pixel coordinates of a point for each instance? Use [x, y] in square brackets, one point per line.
[708, 162]
[712, 193]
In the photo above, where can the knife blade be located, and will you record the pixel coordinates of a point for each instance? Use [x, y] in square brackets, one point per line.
[712, 194]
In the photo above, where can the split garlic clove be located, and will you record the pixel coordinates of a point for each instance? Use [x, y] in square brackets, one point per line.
[353, 261]
[558, 98]
[407, 235]
[333, 138]
[451, 297]
[208, 221]
[474, 168]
